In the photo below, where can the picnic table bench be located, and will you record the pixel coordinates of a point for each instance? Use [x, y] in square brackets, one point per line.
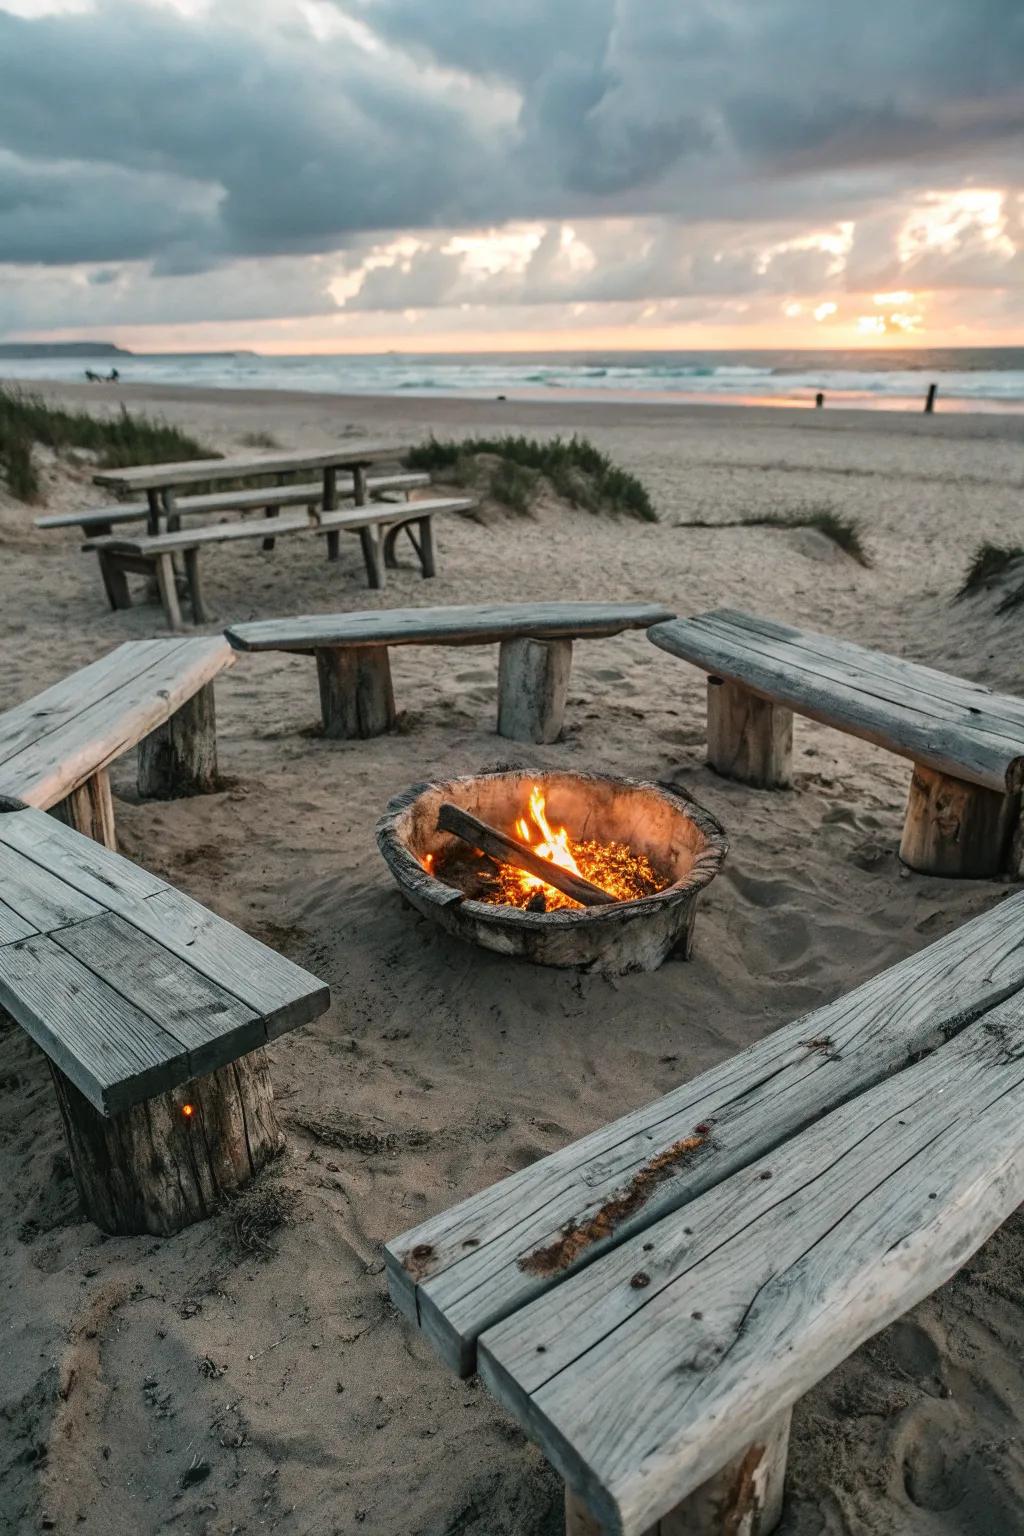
[966, 743]
[268, 499]
[153, 1013]
[650, 1301]
[55, 748]
[153, 554]
[535, 659]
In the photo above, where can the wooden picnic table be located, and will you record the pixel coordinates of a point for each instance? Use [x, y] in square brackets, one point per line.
[160, 482]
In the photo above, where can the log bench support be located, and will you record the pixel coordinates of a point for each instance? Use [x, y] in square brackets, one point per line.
[744, 1499]
[90, 810]
[533, 683]
[356, 694]
[179, 757]
[956, 829]
[422, 542]
[749, 738]
[166, 1163]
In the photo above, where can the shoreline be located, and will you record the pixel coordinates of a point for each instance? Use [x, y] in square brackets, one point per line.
[571, 409]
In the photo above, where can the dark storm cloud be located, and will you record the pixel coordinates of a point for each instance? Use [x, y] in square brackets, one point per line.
[135, 131]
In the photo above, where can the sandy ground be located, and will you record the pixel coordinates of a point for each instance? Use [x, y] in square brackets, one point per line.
[184, 1386]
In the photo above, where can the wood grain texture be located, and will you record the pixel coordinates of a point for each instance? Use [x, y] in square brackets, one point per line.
[955, 829]
[110, 881]
[953, 727]
[749, 738]
[472, 624]
[89, 809]
[461, 1271]
[357, 698]
[641, 1375]
[533, 685]
[52, 743]
[145, 477]
[153, 1168]
[179, 757]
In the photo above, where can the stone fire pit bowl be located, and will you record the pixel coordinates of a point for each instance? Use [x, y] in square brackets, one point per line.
[681, 839]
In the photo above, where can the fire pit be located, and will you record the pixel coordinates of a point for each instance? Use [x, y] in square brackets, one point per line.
[627, 861]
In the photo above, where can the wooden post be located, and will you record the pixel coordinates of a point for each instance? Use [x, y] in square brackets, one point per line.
[115, 581]
[426, 546]
[956, 829]
[170, 1161]
[180, 757]
[371, 559]
[356, 695]
[330, 504]
[819, 401]
[168, 588]
[270, 541]
[90, 810]
[929, 404]
[200, 613]
[533, 681]
[749, 739]
[744, 1499]
[155, 508]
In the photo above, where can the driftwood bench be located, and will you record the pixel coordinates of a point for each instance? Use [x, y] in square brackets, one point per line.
[158, 694]
[268, 499]
[966, 742]
[354, 671]
[650, 1302]
[153, 554]
[153, 1013]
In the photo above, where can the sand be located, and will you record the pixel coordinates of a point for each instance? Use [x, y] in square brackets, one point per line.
[189, 1386]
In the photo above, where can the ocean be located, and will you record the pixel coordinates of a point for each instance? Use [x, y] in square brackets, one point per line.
[968, 379]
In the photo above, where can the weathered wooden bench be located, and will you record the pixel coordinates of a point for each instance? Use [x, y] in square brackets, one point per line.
[268, 499]
[650, 1301]
[154, 1014]
[966, 742]
[535, 659]
[55, 748]
[153, 554]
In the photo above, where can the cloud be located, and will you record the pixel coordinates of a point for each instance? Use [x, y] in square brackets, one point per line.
[695, 148]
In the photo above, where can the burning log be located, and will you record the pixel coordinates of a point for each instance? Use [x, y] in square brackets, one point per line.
[510, 850]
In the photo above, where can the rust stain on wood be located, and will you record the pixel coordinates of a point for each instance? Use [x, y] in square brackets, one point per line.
[577, 1237]
[741, 1512]
[417, 1261]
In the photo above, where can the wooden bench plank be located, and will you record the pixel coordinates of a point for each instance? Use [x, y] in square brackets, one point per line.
[109, 879]
[644, 1374]
[211, 1026]
[461, 1271]
[471, 624]
[368, 516]
[871, 674]
[944, 746]
[146, 477]
[13, 926]
[114, 1054]
[40, 898]
[52, 743]
[284, 994]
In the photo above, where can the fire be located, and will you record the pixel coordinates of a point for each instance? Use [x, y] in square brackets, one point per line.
[614, 867]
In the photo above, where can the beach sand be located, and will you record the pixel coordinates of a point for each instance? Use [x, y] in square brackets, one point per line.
[183, 1385]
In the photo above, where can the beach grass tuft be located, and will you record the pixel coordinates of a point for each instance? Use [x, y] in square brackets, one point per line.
[258, 1212]
[988, 563]
[574, 468]
[116, 441]
[259, 440]
[843, 531]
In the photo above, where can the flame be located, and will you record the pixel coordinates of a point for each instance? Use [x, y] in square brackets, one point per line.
[614, 867]
[188, 1110]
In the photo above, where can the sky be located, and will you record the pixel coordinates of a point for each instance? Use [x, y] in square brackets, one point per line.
[367, 175]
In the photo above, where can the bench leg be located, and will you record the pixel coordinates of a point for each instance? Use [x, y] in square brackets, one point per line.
[168, 590]
[371, 559]
[200, 614]
[956, 829]
[426, 547]
[744, 1499]
[269, 543]
[115, 581]
[749, 739]
[180, 757]
[533, 681]
[157, 1168]
[390, 540]
[356, 695]
[90, 810]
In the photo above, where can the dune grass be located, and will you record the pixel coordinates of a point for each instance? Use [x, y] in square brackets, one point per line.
[988, 562]
[841, 530]
[573, 467]
[116, 441]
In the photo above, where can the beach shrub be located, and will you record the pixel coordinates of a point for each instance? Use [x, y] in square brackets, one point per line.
[841, 530]
[573, 467]
[259, 440]
[989, 562]
[116, 441]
